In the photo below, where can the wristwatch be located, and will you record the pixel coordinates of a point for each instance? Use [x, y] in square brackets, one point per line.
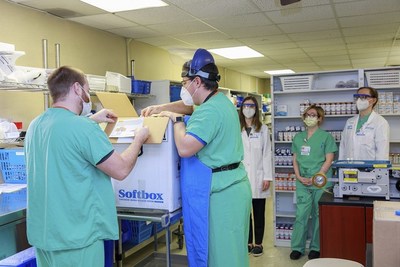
[178, 119]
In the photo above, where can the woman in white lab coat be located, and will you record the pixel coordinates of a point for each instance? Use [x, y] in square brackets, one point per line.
[366, 135]
[258, 164]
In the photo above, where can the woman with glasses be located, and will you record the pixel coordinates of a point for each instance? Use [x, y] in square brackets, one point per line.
[258, 164]
[366, 135]
[313, 152]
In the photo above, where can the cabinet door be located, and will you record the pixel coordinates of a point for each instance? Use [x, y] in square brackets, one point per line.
[342, 232]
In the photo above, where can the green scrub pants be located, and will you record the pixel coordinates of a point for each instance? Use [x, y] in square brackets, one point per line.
[229, 226]
[307, 204]
[92, 255]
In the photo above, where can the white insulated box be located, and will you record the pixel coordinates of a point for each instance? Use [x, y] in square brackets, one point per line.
[154, 182]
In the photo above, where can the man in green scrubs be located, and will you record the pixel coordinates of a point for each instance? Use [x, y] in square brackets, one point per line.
[69, 160]
[213, 136]
[313, 152]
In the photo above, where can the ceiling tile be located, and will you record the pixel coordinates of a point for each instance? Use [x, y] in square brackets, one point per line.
[104, 21]
[366, 7]
[174, 28]
[374, 19]
[301, 15]
[309, 26]
[317, 35]
[239, 21]
[150, 16]
[275, 4]
[134, 32]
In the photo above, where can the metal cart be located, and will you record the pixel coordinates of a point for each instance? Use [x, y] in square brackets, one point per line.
[159, 216]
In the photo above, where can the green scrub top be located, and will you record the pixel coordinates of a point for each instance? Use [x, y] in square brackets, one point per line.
[215, 123]
[310, 153]
[70, 202]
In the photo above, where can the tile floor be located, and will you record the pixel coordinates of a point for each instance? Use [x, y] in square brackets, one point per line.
[273, 256]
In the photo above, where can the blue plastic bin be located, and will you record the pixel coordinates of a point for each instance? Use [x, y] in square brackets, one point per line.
[140, 87]
[146, 87]
[175, 93]
[12, 165]
[137, 87]
[126, 229]
[141, 231]
[25, 258]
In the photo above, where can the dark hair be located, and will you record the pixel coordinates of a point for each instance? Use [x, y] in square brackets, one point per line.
[372, 92]
[61, 79]
[211, 83]
[256, 119]
[320, 112]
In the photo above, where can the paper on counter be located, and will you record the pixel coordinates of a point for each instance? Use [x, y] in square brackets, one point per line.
[9, 188]
[126, 128]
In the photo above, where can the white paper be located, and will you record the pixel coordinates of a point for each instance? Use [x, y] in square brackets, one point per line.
[126, 128]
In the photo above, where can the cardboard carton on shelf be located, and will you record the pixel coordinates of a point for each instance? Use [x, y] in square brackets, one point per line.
[386, 231]
[154, 182]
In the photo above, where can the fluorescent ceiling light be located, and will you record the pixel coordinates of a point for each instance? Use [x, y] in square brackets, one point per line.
[276, 72]
[236, 52]
[124, 5]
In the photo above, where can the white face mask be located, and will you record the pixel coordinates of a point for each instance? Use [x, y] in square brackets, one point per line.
[310, 122]
[186, 97]
[86, 107]
[249, 112]
[362, 104]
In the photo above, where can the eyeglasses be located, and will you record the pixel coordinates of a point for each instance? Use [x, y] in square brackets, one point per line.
[361, 96]
[248, 105]
[311, 115]
[183, 82]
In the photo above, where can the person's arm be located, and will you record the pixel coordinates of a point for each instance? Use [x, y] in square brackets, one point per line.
[186, 144]
[176, 107]
[296, 168]
[327, 164]
[104, 115]
[118, 165]
[382, 140]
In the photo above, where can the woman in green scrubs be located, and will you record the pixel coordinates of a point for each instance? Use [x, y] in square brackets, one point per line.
[313, 152]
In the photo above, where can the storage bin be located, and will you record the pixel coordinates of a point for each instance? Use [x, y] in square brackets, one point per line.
[25, 258]
[12, 165]
[383, 79]
[116, 82]
[126, 229]
[140, 87]
[96, 82]
[175, 93]
[303, 82]
[141, 231]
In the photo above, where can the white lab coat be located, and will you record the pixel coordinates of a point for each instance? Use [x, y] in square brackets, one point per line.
[370, 143]
[257, 160]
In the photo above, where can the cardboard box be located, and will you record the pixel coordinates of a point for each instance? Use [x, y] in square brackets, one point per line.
[386, 233]
[154, 182]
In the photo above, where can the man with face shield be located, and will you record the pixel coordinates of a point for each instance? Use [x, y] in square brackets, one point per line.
[69, 161]
[313, 152]
[366, 135]
[216, 194]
